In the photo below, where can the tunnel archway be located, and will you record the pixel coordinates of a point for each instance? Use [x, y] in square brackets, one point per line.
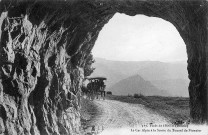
[44, 45]
[140, 40]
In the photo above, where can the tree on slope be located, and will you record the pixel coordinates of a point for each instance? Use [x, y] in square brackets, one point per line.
[88, 69]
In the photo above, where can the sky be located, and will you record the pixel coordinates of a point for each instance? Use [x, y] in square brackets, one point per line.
[139, 38]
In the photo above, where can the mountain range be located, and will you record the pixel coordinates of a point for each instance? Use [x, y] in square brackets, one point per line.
[170, 79]
[136, 85]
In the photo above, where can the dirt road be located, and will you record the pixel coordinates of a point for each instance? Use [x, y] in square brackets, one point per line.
[115, 114]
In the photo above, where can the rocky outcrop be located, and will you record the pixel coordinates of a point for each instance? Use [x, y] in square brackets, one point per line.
[43, 47]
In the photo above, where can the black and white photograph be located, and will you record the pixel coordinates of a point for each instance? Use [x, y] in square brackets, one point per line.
[103, 67]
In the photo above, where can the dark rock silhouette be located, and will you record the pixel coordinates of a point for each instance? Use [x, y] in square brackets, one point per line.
[43, 47]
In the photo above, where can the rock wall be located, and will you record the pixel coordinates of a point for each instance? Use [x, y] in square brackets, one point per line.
[43, 47]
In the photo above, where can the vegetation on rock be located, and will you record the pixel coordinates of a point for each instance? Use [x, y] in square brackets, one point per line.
[88, 69]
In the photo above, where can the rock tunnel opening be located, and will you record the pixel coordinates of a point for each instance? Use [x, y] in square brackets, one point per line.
[187, 26]
[145, 39]
[131, 51]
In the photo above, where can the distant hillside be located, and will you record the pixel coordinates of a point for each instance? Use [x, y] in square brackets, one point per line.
[176, 87]
[115, 70]
[104, 69]
[149, 70]
[164, 71]
[170, 77]
[136, 84]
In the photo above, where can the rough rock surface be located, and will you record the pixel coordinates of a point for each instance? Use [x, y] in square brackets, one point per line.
[43, 47]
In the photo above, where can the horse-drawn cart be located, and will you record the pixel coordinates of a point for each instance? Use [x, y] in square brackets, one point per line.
[95, 87]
